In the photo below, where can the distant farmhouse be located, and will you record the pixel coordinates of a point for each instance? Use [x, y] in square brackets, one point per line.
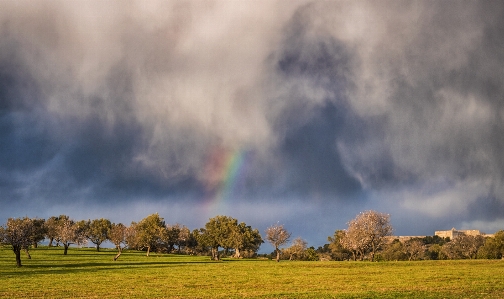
[452, 233]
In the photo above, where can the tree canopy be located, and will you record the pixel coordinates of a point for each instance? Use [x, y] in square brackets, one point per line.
[98, 231]
[19, 233]
[366, 233]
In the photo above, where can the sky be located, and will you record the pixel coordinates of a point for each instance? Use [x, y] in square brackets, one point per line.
[302, 113]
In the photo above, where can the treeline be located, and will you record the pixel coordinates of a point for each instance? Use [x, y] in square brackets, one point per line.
[150, 234]
[367, 237]
[426, 248]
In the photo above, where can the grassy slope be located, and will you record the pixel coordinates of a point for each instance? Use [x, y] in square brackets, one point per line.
[84, 273]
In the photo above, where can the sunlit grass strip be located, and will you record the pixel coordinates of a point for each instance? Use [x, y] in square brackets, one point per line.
[85, 273]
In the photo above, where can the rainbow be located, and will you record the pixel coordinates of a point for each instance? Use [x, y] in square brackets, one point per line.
[224, 174]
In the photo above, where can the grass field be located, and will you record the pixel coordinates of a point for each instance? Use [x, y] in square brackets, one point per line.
[85, 273]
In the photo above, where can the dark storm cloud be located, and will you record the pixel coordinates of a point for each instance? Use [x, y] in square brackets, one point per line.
[25, 144]
[396, 106]
[312, 157]
[315, 67]
[442, 119]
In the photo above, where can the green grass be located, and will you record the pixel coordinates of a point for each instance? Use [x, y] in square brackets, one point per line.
[85, 273]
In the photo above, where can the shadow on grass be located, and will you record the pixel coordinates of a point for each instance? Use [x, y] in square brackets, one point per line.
[65, 268]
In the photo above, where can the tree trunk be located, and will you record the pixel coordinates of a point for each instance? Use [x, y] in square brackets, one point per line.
[237, 253]
[50, 241]
[118, 254]
[27, 253]
[65, 249]
[18, 257]
[373, 250]
[148, 250]
[277, 254]
[17, 252]
[215, 253]
[98, 247]
[360, 253]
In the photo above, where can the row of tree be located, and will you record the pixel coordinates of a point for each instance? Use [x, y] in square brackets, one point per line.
[151, 233]
[368, 236]
[365, 237]
[426, 248]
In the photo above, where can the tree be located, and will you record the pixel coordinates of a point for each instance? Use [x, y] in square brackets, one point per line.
[131, 236]
[367, 232]
[149, 231]
[39, 231]
[469, 245]
[338, 252]
[463, 246]
[117, 235]
[414, 249]
[66, 233]
[18, 232]
[244, 238]
[394, 251]
[38, 234]
[435, 252]
[170, 236]
[71, 232]
[98, 231]
[277, 236]
[217, 233]
[51, 226]
[354, 241]
[297, 249]
[183, 237]
[311, 254]
[191, 243]
[493, 247]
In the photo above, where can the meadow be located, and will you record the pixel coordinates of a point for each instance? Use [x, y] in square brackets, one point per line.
[85, 273]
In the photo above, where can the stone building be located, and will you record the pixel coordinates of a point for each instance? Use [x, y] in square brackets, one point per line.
[454, 233]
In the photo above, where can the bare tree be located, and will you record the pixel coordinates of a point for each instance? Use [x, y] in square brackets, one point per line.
[414, 249]
[18, 232]
[277, 235]
[367, 232]
[463, 246]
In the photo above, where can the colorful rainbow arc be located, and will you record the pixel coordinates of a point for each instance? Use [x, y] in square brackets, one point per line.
[233, 166]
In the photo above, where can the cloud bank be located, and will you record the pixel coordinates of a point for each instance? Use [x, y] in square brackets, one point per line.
[334, 107]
